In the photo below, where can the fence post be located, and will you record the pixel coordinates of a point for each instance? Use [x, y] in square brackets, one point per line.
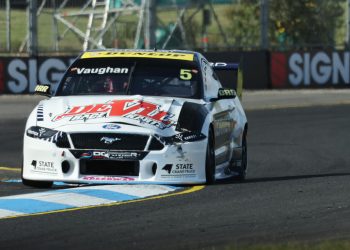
[32, 47]
[8, 26]
[151, 24]
[348, 26]
[264, 22]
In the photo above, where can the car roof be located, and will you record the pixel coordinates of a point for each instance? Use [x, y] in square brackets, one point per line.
[141, 53]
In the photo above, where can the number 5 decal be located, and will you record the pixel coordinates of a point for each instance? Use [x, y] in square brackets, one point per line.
[185, 74]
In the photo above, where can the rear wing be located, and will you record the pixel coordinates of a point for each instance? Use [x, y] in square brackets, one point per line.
[218, 66]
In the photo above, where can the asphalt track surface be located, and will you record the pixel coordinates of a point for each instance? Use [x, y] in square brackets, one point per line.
[297, 190]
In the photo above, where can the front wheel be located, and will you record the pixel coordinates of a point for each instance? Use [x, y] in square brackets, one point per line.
[242, 170]
[37, 184]
[210, 160]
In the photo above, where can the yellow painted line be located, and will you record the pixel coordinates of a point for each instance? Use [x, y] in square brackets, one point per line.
[187, 191]
[10, 169]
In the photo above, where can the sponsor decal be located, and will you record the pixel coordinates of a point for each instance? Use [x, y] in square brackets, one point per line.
[144, 112]
[140, 54]
[179, 137]
[41, 131]
[180, 170]
[34, 163]
[111, 126]
[191, 137]
[168, 168]
[44, 167]
[42, 88]
[32, 133]
[107, 178]
[115, 155]
[100, 71]
[185, 137]
[109, 155]
[100, 155]
[227, 92]
[218, 64]
[86, 155]
[224, 66]
[224, 127]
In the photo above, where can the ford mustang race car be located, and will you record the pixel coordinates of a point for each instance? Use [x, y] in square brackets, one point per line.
[136, 116]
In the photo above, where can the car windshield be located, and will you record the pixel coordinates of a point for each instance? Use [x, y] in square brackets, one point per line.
[132, 76]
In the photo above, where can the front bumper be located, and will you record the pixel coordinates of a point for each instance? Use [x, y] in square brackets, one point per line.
[182, 163]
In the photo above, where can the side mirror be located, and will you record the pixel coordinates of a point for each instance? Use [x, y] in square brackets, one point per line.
[43, 89]
[224, 93]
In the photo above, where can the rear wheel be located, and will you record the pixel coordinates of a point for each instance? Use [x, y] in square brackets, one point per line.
[210, 160]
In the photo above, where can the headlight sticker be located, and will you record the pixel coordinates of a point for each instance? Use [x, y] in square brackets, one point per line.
[44, 134]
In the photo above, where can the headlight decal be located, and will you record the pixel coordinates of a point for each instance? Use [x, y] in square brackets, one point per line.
[45, 134]
[183, 137]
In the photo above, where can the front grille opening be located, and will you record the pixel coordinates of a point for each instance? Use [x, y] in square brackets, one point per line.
[117, 141]
[62, 141]
[108, 167]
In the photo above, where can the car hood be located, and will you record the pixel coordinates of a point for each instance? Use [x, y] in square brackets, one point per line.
[159, 114]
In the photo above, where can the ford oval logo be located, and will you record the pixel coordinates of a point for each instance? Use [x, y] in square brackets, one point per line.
[111, 126]
[109, 140]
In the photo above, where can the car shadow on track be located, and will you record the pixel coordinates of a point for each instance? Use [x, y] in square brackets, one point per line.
[280, 178]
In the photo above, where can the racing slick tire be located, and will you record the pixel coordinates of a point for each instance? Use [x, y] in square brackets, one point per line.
[242, 170]
[210, 160]
[35, 184]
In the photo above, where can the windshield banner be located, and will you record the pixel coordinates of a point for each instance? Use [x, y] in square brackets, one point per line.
[143, 54]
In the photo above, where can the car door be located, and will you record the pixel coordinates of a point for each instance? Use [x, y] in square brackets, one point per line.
[223, 122]
[222, 113]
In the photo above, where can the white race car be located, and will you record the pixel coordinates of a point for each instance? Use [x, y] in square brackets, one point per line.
[136, 116]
